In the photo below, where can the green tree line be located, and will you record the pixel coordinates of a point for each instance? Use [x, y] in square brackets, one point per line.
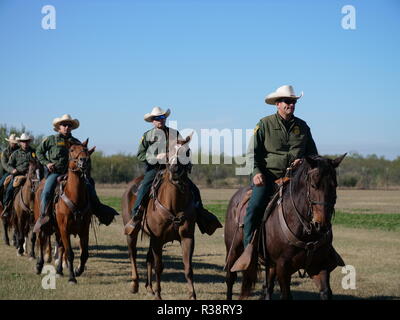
[356, 171]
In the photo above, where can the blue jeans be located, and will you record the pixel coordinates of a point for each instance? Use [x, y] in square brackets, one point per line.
[255, 210]
[3, 178]
[9, 193]
[48, 191]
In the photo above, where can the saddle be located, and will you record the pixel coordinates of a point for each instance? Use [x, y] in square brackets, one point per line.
[241, 206]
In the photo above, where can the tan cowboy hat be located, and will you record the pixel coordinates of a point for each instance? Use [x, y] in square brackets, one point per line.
[157, 111]
[65, 118]
[12, 138]
[24, 137]
[285, 91]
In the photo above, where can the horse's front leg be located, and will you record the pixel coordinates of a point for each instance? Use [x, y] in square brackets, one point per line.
[132, 250]
[40, 260]
[5, 229]
[156, 247]
[150, 265]
[84, 246]
[284, 277]
[69, 252]
[33, 242]
[322, 281]
[269, 282]
[187, 254]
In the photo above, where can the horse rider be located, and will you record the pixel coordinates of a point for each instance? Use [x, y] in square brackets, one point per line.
[5, 156]
[18, 164]
[53, 154]
[155, 160]
[280, 140]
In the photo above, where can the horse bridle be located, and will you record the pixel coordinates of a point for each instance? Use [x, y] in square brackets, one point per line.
[76, 160]
[307, 224]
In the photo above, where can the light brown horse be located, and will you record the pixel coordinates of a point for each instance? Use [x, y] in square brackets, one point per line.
[171, 215]
[22, 216]
[297, 235]
[72, 214]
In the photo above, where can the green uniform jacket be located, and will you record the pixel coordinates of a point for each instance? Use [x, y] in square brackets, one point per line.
[20, 160]
[276, 147]
[54, 149]
[5, 157]
[148, 149]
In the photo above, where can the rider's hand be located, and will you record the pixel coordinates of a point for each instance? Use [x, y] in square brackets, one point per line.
[15, 171]
[161, 156]
[259, 179]
[50, 167]
[296, 163]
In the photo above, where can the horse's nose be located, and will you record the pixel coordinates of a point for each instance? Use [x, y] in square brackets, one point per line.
[82, 163]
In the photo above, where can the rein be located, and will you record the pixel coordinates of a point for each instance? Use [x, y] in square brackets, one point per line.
[311, 246]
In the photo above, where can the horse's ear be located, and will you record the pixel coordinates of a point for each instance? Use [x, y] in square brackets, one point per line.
[337, 161]
[85, 143]
[312, 161]
[92, 150]
[189, 137]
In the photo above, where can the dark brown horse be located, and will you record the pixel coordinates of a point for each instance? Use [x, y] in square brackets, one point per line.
[72, 214]
[298, 232]
[169, 216]
[22, 216]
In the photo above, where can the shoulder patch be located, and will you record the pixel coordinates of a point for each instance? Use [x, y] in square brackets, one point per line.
[33, 155]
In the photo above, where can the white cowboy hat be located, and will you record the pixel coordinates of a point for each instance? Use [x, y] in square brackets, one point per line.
[65, 118]
[285, 91]
[24, 137]
[12, 138]
[157, 111]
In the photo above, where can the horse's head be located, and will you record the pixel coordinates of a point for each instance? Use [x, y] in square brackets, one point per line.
[321, 186]
[79, 156]
[35, 172]
[179, 159]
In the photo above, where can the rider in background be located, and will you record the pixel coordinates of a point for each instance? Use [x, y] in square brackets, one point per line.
[53, 153]
[153, 149]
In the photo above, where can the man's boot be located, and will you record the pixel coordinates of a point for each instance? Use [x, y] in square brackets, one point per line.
[207, 221]
[248, 255]
[43, 219]
[133, 224]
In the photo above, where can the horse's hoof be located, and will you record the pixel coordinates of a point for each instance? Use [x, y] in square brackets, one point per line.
[31, 258]
[19, 254]
[192, 297]
[59, 274]
[134, 287]
[77, 272]
[72, 281]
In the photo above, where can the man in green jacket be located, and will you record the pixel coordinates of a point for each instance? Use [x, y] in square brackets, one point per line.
[280, 140]
[5, 156]
[152, 151]
[53, 153]
[18, 164]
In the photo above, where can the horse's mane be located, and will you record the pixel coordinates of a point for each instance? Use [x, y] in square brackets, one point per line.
[313, 161]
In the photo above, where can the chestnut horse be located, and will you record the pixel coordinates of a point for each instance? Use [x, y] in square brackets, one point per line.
[72, 214]
[296, 235]
[22, 217]
[170, 215]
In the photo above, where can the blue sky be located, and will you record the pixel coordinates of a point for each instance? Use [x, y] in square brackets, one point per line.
[108, 63]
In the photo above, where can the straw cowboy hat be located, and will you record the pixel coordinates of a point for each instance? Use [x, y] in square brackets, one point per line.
[24, 137]
[157, 111]
[285, 91]
[12, 138]
[65, 118]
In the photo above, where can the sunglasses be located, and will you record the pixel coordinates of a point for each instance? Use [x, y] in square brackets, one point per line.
[66, 124]
[288, 101]
[158, 118]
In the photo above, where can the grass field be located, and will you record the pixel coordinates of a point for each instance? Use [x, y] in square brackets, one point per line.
[368, 240]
